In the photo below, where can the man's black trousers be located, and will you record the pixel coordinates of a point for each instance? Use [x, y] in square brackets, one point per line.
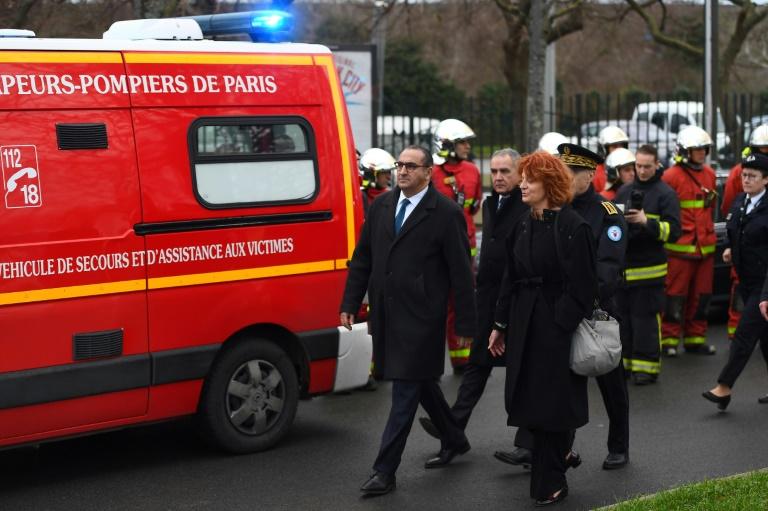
[406, 397]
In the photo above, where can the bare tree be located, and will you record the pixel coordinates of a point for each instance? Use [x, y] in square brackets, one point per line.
[531, 25]
[749, 16]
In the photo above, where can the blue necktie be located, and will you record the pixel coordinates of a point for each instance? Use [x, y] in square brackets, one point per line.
[400, 216]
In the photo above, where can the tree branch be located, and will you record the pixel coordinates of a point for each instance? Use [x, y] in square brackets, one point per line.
[660, 37]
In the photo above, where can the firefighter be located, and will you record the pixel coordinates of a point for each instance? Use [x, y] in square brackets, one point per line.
[609, 232]
[458, 179]
[609, 138]
[619, 169]
[652, 212]
[758, 143]
[691, 257]
[550, 141]
[376, 166]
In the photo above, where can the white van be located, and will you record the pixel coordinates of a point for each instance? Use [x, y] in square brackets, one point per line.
[675, 115]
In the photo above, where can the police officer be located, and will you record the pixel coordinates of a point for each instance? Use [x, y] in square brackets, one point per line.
[501, 212]
[747, 226]
[652, 212]
[458, 179]
[609, 230]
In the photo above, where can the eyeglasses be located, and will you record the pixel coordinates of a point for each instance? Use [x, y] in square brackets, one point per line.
[408, 166]
[750, 177]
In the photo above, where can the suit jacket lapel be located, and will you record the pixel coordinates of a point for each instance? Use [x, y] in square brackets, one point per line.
[389, 214]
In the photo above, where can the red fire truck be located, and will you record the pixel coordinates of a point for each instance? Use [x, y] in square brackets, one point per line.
[178, 216]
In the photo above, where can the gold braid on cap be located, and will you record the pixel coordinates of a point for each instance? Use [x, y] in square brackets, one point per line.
[575, 160]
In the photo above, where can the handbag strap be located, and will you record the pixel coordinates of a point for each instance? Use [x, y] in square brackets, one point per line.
[558, 254]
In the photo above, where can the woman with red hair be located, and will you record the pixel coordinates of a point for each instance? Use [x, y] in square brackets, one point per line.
[549, 285]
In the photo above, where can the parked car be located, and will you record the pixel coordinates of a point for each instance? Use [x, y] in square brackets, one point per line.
[675, 115]
[396, 132]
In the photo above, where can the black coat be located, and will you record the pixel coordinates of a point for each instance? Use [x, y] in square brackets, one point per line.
[543, 299]
[409, 278]
[748, 240]
[497, 226]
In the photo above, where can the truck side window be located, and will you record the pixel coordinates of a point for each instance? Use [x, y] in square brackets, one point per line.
[253, 161]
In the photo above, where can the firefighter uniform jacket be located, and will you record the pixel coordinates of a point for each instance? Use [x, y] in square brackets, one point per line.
[694, 189]
[460, 181]
[748, 240]
[646, 262]
[609, 230]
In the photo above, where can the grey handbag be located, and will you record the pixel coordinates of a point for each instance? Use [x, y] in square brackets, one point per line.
[596, 345]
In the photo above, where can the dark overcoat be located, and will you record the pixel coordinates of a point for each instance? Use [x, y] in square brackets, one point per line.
[409, 278]
[543, 298]
[497, 226]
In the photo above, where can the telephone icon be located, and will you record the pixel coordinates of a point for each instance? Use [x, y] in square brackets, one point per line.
[28, 172]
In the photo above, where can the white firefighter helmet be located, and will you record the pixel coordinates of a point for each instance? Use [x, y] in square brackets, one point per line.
[612, 135]
[549, 142]
[619, 158]
[759, 137]
[613, 162]
[377, 160]
[449, 132]
[691, 137]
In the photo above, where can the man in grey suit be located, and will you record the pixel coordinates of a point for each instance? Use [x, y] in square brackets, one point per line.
[412, 254]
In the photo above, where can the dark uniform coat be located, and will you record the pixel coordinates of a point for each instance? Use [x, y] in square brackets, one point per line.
[610, 230]
[497, 225]
[543, 298]
[748, 240]
[409, 278]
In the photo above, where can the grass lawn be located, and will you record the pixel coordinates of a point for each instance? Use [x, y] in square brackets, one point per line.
[738, 493]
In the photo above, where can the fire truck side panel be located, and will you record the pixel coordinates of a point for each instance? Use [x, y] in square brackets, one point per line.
[67, 272]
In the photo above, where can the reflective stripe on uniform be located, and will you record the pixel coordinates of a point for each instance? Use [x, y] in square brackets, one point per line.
[685, 249]
[669, 341]
[627, 364]
[462, 353]
[651, 215]
[694, 341]
[646, 272]
[708, 249]
[468, 202]
[663, 231]
[731, 330]
[645, 366]
[473, 252]
[691, 204]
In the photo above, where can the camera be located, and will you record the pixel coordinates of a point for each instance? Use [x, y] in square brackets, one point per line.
[635, 200]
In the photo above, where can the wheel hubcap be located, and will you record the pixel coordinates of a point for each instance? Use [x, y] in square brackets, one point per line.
[255, 397]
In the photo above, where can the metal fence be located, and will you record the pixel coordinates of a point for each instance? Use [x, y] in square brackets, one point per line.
[655, 120]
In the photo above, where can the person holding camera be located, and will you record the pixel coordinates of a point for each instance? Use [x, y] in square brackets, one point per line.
[652, 212]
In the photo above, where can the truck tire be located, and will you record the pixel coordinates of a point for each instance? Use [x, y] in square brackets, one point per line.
[249, 398]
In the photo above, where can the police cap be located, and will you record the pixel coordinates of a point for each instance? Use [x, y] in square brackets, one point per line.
[578, 158]
[756, 161]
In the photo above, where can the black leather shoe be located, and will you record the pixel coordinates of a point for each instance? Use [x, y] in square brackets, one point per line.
[643, 378]
[763, 400]
[445, 456]
[615, 460]
[429, 427]
[720, 401]
[378, 484]
[553, 499]
[520, 456]
[572, 460]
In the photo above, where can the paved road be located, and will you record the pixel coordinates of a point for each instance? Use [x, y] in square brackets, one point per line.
[677, 437]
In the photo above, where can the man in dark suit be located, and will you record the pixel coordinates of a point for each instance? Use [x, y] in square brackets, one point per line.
[501, 212]
[412, 254]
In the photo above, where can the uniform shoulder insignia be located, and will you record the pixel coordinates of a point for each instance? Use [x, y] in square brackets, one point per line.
[610, 208]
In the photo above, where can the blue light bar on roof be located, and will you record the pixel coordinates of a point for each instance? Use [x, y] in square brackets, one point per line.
[264, 25]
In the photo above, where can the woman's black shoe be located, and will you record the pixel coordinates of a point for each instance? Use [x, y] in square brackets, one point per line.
[763, 400]
[720, 401]
[552, 499]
